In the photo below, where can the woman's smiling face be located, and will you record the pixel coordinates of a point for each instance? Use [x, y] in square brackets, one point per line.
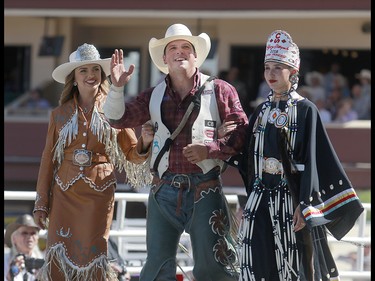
[88, 75]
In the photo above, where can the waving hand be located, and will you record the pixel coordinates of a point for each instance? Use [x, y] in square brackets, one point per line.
[119, 75]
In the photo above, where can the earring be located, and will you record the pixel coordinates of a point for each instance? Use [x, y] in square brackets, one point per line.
[75, 84]
[293, 79]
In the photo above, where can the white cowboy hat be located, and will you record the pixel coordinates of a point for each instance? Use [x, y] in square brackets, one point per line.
[201, 43]
[364, 73]
[24, 220]
[85, 54]
[314, 74]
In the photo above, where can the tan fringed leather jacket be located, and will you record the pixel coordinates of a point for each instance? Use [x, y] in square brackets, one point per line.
[110, 149]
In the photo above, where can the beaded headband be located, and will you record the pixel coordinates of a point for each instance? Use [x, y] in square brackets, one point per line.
[281, 48]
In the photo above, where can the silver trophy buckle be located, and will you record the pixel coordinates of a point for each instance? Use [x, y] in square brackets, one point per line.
[272, 166]
[82, 157]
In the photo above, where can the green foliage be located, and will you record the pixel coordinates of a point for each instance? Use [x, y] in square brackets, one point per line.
[364, 196]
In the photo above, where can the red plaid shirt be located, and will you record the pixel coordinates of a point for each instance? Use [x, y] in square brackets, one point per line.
[172, 111]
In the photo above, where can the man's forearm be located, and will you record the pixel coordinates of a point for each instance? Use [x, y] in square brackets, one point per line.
[114, 106]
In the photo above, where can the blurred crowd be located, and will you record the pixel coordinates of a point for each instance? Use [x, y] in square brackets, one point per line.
[336, 99]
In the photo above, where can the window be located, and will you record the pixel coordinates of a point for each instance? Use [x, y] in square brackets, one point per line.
[16, 72]
[131, 56]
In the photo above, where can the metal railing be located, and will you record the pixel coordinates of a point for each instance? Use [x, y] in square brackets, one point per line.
[123, 227]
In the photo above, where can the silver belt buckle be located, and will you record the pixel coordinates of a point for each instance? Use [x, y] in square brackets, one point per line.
[82, 157]
[179, 179]
[176, 184]
[272, 166]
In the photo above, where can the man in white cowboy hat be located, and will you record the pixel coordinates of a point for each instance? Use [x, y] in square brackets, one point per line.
[364, 74]
[364, 77]
[315, 86]
[22, 238]
[362, 100]
[186, 194]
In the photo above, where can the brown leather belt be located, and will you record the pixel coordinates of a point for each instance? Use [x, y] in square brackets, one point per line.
[89, 157]
[182, 182]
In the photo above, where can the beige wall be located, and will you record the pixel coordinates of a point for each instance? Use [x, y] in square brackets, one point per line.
[29, 31]
[336, 32]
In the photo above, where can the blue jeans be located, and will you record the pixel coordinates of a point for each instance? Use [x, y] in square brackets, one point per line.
[194, 203]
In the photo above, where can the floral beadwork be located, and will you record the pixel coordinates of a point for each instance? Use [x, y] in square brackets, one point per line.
[223, 254]
[219, 222]
[64, 234]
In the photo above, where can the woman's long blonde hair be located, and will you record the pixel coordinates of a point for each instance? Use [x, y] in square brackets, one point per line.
[69, 89]
[14, 251]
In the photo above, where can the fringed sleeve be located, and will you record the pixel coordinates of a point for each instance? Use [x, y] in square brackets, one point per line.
[137, 166]
[46, 170]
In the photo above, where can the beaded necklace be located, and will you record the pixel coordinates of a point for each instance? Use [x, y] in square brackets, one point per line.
[286, 120]
[86, 111]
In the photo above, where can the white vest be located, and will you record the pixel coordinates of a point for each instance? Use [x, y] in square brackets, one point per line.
[204, 129]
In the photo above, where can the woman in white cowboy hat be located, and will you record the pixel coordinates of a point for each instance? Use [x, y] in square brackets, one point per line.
[187, 192]
[22, 237]
[77, 182]
[295, 183]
